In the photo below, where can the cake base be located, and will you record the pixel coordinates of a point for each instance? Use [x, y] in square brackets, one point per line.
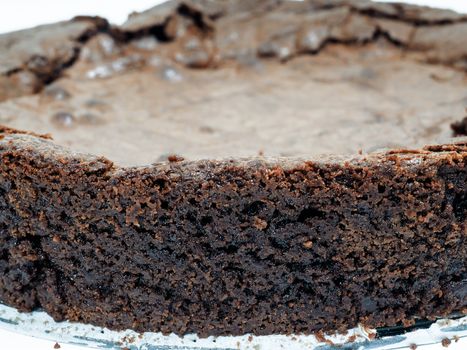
[40, 325]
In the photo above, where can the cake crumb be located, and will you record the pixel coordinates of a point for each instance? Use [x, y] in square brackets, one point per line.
[320, 337]
[455, 338]
[260, 224]
[352, 338]
[57, 346]
[308, 244]
[173, 158]
[445, 342]
[250, 338]
[409, 323]
[413, 346]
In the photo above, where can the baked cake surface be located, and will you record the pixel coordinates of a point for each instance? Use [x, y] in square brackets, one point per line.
[284, 79]
[247, 227]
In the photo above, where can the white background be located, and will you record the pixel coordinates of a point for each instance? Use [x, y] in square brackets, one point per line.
[20, 14]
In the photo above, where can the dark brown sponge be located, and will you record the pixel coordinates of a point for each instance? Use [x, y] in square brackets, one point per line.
[233, 247]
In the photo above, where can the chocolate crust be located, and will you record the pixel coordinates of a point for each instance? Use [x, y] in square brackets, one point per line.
[233, 246]
[228, 247]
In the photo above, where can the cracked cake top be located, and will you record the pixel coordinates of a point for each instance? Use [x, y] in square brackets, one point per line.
[216, 79]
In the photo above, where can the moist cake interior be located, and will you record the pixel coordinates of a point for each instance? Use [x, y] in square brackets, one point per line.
[346, 98]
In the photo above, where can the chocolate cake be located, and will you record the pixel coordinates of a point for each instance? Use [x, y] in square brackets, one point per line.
[232, 167]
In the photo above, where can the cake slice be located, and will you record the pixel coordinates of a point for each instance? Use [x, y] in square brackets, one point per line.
[234, 167]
